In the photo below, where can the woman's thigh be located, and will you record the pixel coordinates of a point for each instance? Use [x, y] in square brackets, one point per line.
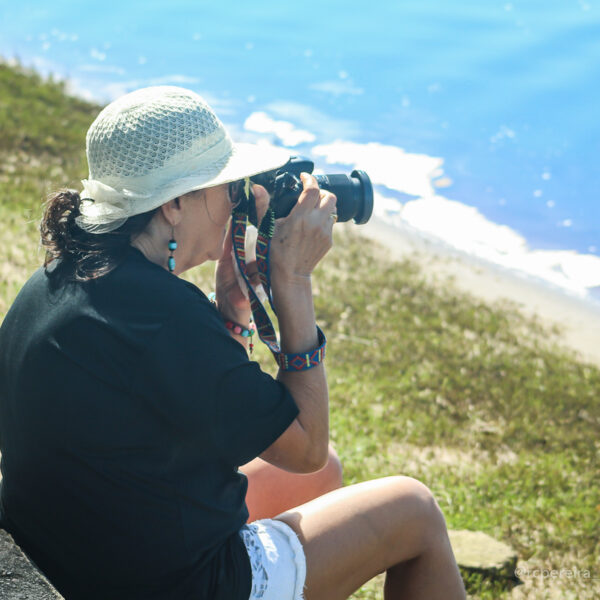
[352, 534]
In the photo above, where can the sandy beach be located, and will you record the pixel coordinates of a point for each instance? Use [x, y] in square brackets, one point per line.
[577, 319]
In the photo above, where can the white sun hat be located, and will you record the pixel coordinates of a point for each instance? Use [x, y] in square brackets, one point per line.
[155, 144]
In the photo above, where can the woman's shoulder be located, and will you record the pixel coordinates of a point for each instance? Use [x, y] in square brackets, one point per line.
[134, 301]
[140, 286]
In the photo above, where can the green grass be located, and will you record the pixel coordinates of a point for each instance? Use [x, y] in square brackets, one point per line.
[468, 397]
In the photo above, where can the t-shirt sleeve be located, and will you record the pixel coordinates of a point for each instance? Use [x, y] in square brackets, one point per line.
[199, 379]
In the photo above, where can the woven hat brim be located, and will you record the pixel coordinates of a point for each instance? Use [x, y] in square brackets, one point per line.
[111, 207]
[245, 160]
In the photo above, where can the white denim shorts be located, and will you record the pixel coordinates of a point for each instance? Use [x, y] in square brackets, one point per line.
[277, 560]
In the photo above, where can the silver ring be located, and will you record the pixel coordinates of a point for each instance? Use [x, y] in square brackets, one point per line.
[334, 217]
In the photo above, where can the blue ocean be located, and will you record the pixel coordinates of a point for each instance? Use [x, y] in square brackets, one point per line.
[478, 122]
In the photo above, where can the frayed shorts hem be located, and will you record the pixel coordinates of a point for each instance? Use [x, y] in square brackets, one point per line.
[277, 560]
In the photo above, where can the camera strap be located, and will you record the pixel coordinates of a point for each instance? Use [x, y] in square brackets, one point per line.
[264, 325]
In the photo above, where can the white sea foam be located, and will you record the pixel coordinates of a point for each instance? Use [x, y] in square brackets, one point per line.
[461, 227]
[386, 165]
[466, 229]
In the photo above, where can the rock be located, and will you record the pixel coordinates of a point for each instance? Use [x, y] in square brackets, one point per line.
[19, 578]
[477, 552]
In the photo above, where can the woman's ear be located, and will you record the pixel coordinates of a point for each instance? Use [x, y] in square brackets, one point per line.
[171, 212]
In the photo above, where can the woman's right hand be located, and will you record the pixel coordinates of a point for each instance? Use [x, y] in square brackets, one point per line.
[303, 238]
[299, 242]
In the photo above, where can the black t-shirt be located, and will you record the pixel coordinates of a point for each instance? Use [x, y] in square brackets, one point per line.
[125, 409]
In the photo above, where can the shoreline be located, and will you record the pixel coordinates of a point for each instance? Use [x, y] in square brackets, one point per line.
[577, 319]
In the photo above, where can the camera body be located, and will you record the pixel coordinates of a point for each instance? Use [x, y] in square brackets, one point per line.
[354, 194]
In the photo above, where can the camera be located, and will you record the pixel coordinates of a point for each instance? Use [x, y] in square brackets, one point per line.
[354, 193]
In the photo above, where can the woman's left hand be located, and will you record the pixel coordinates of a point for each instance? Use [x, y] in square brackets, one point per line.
[231, 301]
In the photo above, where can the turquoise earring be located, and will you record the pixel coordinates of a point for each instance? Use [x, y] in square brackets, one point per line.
[172, 248]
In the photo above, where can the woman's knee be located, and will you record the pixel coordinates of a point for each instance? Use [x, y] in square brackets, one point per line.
[418, 500]
[420, 492]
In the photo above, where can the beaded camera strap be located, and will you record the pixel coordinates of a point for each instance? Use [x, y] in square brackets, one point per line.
[264, 325]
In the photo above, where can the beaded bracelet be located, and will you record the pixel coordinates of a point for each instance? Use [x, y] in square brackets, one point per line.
[236, 328]
[246, 333]
[240, 330]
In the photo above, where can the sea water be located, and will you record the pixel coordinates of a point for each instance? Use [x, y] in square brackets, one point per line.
[478, 122]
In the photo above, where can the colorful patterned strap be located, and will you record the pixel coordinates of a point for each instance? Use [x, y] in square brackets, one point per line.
[264, 326]
[301, 362]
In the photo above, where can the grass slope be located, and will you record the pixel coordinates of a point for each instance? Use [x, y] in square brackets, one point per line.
[425, 381]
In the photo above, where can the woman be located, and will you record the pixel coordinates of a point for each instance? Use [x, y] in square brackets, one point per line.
[127, 399]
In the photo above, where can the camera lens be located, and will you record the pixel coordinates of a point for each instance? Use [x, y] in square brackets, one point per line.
[354, 195]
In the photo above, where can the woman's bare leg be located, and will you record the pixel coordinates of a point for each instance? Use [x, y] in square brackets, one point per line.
[272, 491]
[393, 524]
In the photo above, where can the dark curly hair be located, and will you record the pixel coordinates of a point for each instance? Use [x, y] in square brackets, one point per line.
[84, 256]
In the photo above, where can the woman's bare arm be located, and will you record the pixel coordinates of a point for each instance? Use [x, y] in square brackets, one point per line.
[299, 243]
